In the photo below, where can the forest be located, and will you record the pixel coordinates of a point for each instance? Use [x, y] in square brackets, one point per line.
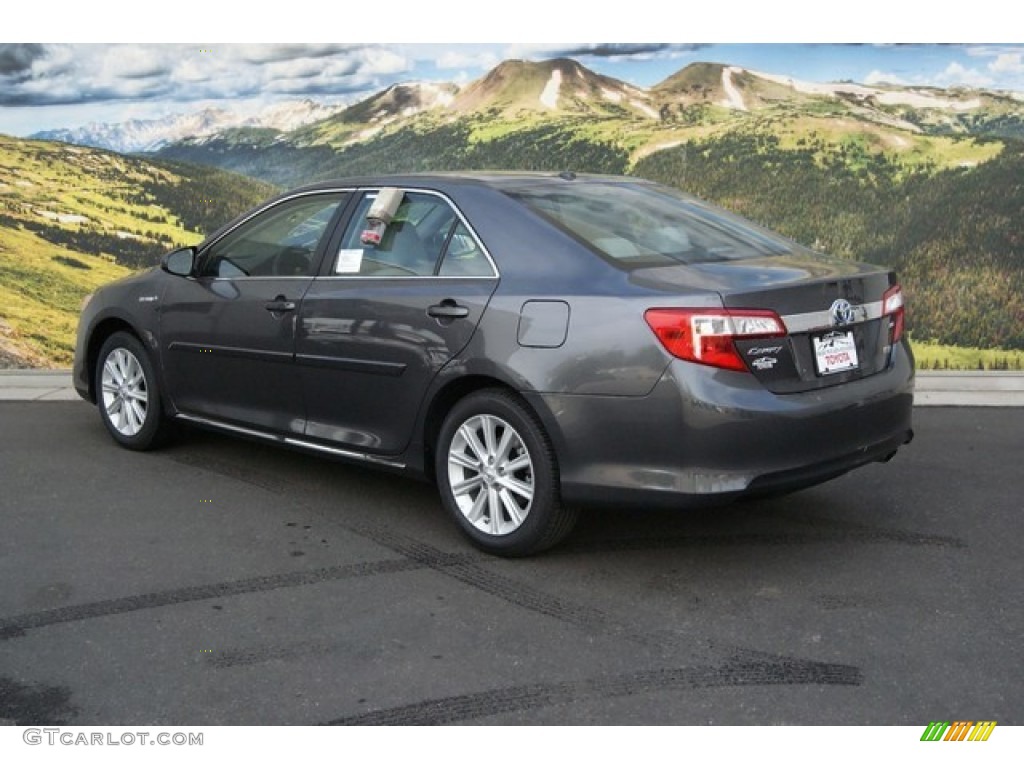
[955, 237]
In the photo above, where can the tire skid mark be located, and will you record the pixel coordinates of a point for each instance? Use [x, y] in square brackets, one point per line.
[522, 595]
[218, 466]
[244, 656]
[736, 671]
[27, 704]
[467, 570]
[857, 531]
[15, 626]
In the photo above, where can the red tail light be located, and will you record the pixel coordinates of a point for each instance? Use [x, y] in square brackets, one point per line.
[892, 307]
[706, 335]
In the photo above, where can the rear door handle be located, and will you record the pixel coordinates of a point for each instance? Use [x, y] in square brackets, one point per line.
[280, 304]
[448, 310]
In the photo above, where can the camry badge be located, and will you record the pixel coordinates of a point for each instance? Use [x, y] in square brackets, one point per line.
[842, 312]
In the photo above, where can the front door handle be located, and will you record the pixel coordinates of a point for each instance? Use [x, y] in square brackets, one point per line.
[280, 304]
[447, 310]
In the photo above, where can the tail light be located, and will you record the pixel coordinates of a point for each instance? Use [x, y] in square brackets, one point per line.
[706, 336]
[892, 307]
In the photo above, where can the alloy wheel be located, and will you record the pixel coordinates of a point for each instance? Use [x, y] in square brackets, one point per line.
[124, 392]
[490, 473]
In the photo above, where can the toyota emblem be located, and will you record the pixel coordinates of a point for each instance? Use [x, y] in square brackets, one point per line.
[842, 312]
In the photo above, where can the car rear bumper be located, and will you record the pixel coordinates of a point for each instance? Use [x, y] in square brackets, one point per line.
[705, 436]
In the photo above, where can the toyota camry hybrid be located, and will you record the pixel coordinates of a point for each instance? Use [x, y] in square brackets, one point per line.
[529, 342]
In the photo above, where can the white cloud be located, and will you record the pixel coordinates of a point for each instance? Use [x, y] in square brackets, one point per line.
[957, 74]
[1008, 63]
[453, 59]
[66, 74]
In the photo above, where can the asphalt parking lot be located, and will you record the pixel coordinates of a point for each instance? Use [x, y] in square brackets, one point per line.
[223, 582]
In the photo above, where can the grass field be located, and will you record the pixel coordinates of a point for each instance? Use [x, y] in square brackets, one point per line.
[51, 194]
[941, 357]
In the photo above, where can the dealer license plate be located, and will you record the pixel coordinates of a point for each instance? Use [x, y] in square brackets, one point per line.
[835, 352]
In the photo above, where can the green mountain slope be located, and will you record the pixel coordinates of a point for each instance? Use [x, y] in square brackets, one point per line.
[73, 218]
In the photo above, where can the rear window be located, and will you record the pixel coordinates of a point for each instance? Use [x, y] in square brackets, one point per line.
[647, 225]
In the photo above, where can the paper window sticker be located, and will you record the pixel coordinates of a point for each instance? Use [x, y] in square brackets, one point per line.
[349, 262]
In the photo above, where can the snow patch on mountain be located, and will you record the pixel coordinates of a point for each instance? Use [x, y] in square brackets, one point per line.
[62, 218]
[817, 89]
[150, 135]
[910, 98]
[647, 109]
[734, 99]
[549, 96]
[920, 100]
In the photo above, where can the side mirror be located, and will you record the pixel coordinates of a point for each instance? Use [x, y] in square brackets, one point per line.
[180, 262]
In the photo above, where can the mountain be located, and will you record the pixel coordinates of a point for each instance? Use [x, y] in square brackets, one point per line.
[569, 104]
[150, 135]
[400, 100]
[73, 218]
[516, 87]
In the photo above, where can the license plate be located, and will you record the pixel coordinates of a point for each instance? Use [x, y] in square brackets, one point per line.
[835, 352]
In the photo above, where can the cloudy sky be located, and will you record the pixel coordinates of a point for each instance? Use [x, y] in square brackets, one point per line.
[53, 85]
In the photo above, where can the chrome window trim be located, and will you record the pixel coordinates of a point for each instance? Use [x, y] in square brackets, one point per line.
[258, 277]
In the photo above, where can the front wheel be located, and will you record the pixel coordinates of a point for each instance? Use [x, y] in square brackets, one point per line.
[498, 476]
[127, 393]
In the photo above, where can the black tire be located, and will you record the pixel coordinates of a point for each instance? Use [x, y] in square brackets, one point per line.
[128, 394]
[485, 488]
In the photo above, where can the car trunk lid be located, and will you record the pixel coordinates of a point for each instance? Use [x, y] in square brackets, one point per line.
[833, 311]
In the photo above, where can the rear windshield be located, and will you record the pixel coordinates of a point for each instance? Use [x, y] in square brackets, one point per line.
[648, 225]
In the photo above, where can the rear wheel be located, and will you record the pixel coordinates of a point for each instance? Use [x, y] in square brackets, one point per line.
[127, 393]
[498, 477]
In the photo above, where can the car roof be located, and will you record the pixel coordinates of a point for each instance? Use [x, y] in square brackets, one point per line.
[494, 179]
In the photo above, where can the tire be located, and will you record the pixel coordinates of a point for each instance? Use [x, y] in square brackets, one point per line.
[128, 395]
[498, 476]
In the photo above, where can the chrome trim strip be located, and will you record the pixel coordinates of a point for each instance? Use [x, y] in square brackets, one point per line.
[228, 427]
[369, 458]
[347, 454]
[389, 278]
[307, 278]
[822, 319]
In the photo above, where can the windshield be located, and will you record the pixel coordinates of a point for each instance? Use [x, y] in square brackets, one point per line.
[648, 225]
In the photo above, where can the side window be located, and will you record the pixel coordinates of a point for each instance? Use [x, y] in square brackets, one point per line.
[412, 244]
[463, 257]
[280, 242]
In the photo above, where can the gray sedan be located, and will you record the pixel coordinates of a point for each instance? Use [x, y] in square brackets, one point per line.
[531, 343]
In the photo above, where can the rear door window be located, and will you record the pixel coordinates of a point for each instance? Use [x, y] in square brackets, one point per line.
[425, 238]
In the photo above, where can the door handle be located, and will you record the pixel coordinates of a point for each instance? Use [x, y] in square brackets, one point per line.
[447, 310]
[280, 304]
